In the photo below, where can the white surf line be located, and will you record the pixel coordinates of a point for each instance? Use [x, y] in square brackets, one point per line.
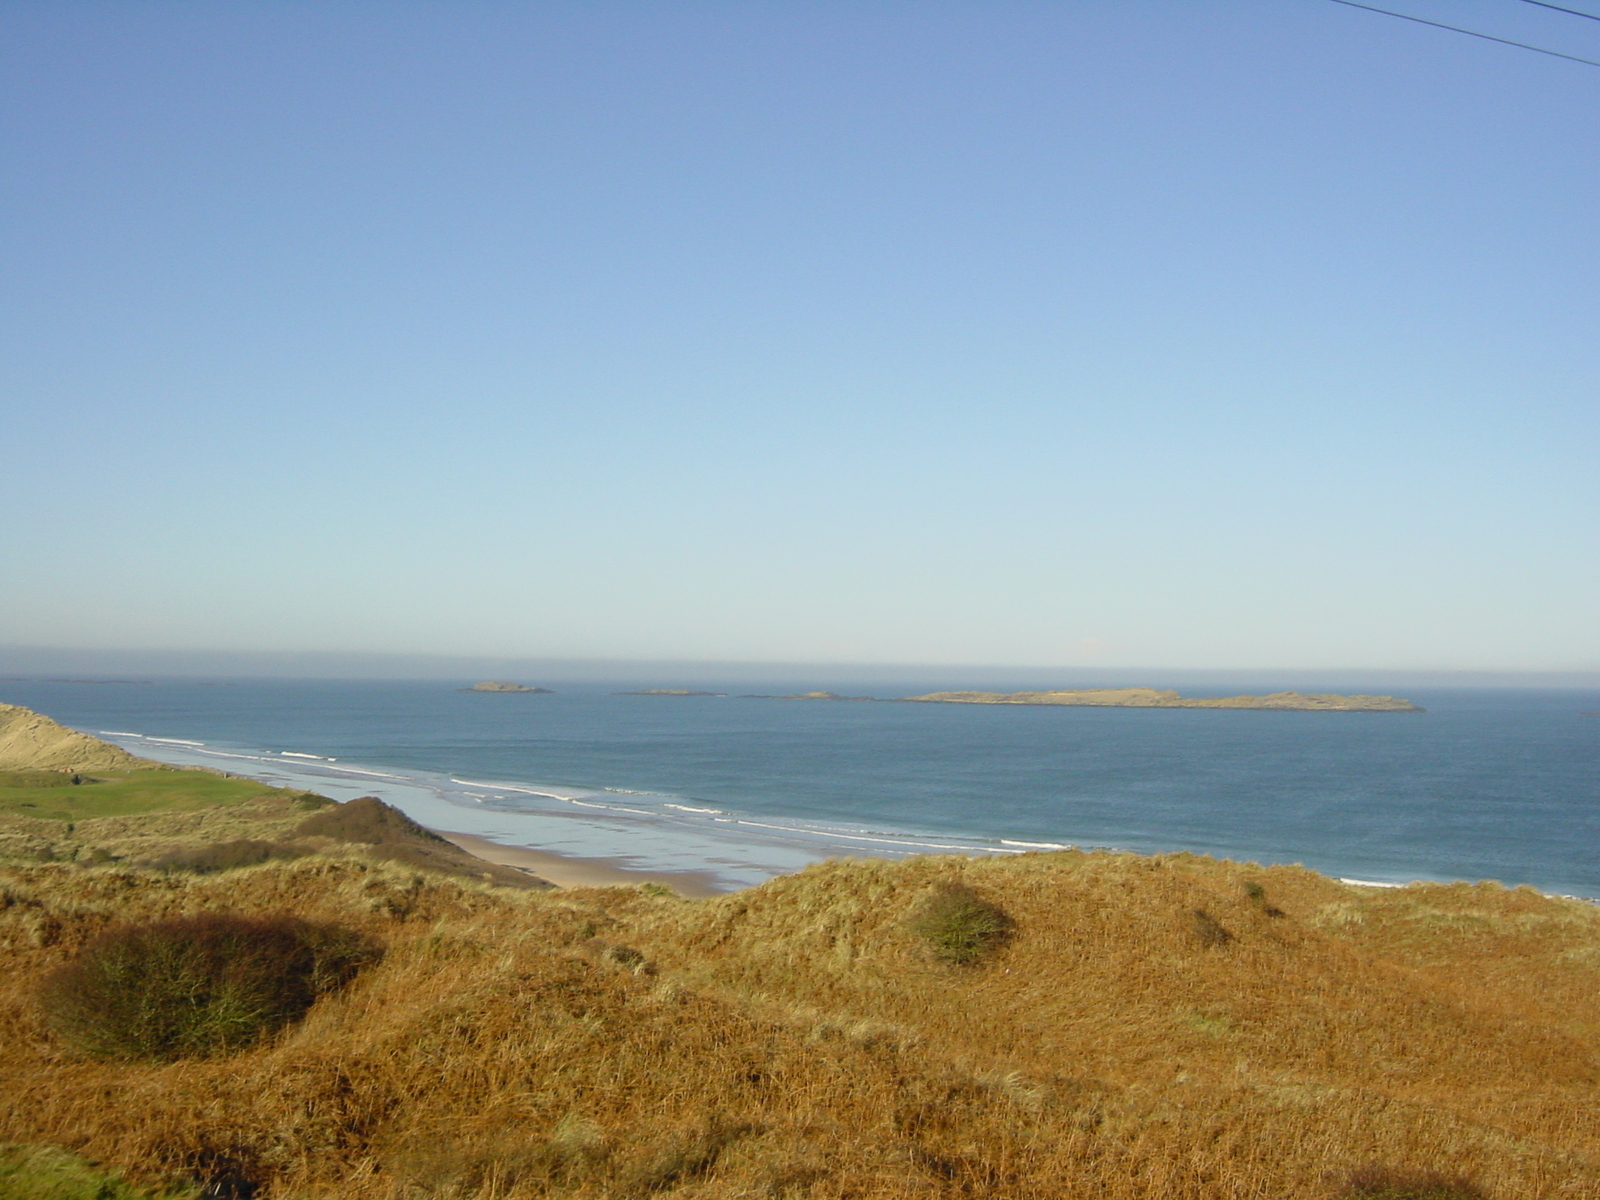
[175, 741]
[691, 808]
[610, 808]
[884, 840]
[297, 754]
[119, 733]
[1037, 845]
[326, 764]
[509, 787]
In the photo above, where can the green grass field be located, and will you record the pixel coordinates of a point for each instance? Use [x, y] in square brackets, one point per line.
[53, 796]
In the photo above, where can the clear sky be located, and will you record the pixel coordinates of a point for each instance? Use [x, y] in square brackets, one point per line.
[1245, 333]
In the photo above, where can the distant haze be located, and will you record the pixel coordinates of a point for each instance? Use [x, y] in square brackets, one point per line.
[1093, 340]
[130, 668]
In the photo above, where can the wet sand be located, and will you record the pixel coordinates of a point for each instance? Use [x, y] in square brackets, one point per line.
[584, 872]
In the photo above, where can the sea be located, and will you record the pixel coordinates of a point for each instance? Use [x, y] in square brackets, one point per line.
[1488, 783]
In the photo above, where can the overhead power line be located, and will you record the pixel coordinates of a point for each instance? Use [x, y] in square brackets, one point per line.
[1571, 12]
[1488, 37]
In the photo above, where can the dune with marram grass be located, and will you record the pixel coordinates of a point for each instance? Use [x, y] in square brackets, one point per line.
[809, 1038]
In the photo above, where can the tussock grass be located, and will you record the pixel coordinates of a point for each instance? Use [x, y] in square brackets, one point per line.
[798, 1039]
[1384, 1183]
[224, 856]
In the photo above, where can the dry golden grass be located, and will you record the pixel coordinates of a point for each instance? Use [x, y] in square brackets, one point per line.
[30, 741]
[800, 1040]
[288, 823]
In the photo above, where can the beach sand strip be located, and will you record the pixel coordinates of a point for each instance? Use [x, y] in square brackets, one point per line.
[567, 872]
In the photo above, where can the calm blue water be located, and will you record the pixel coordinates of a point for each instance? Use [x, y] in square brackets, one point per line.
[1491, 783]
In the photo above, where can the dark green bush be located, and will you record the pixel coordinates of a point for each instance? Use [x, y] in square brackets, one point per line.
[959, 925]
[1384, 1183]
[197, 985]
[1258, 897]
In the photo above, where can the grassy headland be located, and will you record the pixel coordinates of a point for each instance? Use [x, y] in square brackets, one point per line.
[147, 814]
[1045, 1026]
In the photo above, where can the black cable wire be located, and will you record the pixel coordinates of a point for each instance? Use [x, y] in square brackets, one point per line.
[1569, 11]
[1488, 37]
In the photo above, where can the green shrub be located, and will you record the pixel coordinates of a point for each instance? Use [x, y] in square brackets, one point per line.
[197, 985]
[1384, 1183]
[1258, 897]
[959, 925]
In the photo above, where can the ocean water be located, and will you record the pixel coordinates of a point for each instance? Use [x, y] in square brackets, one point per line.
[1487, 784]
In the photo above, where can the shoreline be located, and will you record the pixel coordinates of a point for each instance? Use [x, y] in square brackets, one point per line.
[568, 872]
[599, 838]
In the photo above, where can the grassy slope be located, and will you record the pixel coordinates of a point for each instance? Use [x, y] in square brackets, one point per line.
[48, 1173]
[121, 793]
[797, 1039]
[31, 741]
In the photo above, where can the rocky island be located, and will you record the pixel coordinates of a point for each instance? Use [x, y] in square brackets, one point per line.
[1144, 697]
[500, 685]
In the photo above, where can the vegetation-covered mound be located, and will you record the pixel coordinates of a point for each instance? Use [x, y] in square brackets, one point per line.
[814, 1037]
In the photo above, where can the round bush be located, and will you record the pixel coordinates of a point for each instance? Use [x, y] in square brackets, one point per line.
[197, 985]
[959, 925]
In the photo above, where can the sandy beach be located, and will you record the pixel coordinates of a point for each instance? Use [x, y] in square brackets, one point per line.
[583, 872]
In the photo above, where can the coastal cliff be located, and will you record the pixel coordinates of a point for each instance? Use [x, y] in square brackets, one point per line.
[1144, 697]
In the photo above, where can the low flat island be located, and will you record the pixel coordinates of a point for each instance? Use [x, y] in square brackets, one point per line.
[500, 686]
[1143, 697]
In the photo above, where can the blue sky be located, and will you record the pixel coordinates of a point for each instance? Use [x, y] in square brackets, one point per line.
[1234, 335]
